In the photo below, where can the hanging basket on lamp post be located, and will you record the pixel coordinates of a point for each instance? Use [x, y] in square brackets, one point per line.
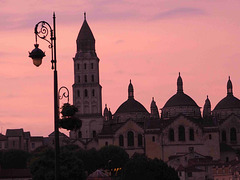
[69, 121]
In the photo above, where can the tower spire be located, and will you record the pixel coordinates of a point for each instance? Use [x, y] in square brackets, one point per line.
[179, 84]
[229, 87]
[130, 90]
[84, 16]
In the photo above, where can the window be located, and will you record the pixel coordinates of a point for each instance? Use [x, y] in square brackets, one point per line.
[78, 93]
[94, 134]
[79, 79]
[85, 66]
[79, 134]
[91, 65]
[209, 136]
[171, 134]
[140, 140]
[78, 66]
[106, 143]
[189, 174]
[224, 136]
[121, 141]
[92, 78]
[130, 136]
[93, 92]
[227, 159]
[191, 134]
[233, 134]
[85, 93]
[153, 139]
[181, 133]
[85, 78]
[33, 145]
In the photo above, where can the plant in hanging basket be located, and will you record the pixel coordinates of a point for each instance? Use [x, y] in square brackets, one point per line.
[68, 110]
[70, 123]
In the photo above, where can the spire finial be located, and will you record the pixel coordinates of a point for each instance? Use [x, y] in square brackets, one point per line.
[152, 98]
[179, 84]
[105, 105]
[207, 96]
[229, 86]
[130, 90]
[179, 73]
[85, 16]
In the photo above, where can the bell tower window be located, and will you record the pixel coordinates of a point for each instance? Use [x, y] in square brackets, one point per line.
[181, 133]
[86, 93]
[91, 65]
[85, 78]
[92, 78]
[85, 66]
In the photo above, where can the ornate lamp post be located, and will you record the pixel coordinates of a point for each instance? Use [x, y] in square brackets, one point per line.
[42, 30]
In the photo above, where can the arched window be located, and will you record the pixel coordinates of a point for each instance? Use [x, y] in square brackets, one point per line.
[130, 136]
[85, 93]
[79, 79]
[140, 140]
[85, 78]
[181, 133]
[121, 141]
[224, 136]
[233, 134]
[191, 134]
[93, 92]
[78, 93]
[171, 134]
[85, 66]
[91, 65]
[77, 66]
[94, 134]
[92, 78]
[153, 139]
[79, 134]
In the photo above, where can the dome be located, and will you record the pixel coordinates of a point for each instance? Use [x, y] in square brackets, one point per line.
[230, 101]
[131, 105]
[180, 99]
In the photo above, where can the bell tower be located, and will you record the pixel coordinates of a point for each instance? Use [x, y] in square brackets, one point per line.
[87, 92]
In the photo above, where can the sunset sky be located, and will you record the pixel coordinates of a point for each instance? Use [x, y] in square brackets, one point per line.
[147, 41]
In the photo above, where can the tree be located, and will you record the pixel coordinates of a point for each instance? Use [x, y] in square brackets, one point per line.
[141, 168]
[42, 164]
[113, 157]
[16, 159]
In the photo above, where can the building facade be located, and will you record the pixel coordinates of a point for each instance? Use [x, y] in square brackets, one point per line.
[179, 128]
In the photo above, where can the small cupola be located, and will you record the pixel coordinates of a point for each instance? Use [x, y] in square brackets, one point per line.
[154, 109]
[207, 109]
[130, 90]
[229, 87]
[179, 84]
[106, 113]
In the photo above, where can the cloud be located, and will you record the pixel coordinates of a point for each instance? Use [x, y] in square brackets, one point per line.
[180, 12]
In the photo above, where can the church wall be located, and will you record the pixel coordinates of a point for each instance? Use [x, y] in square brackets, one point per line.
[153, 148]
[231, 122]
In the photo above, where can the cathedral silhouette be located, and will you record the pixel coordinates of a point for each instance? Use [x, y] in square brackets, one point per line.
[180, 127]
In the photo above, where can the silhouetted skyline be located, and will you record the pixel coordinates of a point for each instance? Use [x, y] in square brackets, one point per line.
[148, 42]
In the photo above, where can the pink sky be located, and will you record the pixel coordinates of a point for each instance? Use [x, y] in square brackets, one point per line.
[147, 41]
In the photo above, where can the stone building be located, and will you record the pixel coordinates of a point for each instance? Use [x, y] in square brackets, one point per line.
[179, 128]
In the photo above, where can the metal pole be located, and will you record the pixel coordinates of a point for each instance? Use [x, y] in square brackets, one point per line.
[56, 105]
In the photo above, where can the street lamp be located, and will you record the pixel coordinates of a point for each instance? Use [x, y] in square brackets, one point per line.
[42, 31]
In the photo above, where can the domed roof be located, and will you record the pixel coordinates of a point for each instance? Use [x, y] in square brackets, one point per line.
[131, 105]
[230, 101]
[180, 98]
